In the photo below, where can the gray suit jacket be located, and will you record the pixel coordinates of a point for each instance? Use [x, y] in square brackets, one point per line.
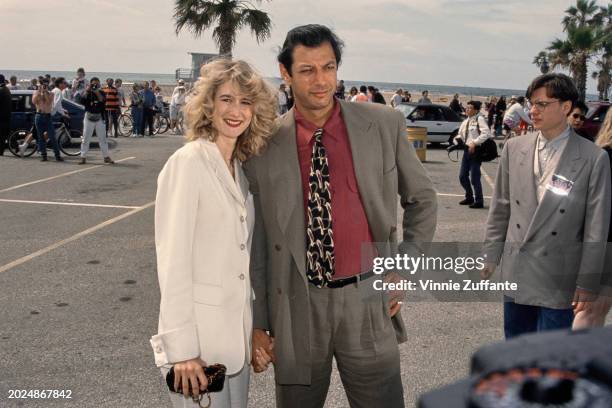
[551, 248]
[385, 165]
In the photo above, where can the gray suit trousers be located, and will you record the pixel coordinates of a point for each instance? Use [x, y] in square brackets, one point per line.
[359, 334]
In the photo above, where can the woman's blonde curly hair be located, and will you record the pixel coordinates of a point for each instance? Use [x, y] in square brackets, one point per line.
[199, 110]
[604, 137]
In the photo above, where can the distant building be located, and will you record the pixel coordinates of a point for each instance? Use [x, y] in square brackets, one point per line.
[197, 60]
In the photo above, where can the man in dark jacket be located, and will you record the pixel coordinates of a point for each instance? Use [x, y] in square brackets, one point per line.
[5, 113]
[95, 103]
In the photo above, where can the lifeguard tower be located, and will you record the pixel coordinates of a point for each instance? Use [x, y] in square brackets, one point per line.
[197, 60]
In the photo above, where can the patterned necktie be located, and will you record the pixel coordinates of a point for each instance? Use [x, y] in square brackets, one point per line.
[320, 238]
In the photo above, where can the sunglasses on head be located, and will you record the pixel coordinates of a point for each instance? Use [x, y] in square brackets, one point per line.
[577, 115]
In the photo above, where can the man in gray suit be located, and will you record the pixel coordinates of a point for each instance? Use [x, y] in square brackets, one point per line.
[549, 216]
[328, 183]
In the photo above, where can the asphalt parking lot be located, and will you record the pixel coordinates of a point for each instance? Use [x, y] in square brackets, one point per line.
[79, 294]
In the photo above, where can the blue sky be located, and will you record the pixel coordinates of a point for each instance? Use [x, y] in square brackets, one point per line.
[485, 43]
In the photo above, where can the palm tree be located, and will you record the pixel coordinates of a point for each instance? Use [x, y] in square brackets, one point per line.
[582, 14]
[574, 53]
[603, 75]
[541, 61]
[230, 15]
[583, 40]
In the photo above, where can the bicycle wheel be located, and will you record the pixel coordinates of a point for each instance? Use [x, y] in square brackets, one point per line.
[454, 155]
[70, 144]
[125, 125]
[17, 138]
[164, 124]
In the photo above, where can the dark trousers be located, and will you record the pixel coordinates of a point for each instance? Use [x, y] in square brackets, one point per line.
[521, 319]
[359, 335]
[469, 176]
[5, 128]
[112, 118]
[44, 124]
[137, 120]
[147, 121]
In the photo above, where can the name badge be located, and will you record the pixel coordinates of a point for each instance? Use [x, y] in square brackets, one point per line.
[560, 185]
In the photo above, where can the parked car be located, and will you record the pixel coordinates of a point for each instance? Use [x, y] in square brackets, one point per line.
[595, 117]
[441, 122]
[23, 109]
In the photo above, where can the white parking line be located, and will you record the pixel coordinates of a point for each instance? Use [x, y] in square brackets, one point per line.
[127, 207]
[62, 175]
[487, 178]
[81, 234]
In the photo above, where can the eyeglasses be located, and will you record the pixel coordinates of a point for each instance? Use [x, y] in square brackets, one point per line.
[579, 116]
[542, 105]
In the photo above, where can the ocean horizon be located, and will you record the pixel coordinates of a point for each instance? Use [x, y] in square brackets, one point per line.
[169, 79]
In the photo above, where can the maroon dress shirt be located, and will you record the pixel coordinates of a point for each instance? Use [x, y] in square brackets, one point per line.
[349, 222]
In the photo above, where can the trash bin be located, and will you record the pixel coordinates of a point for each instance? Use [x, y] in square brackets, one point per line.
[418, 137]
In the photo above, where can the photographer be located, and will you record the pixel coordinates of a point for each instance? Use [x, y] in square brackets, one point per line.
[94, 102]
[473, 132]
[79, 86]
[43, 100]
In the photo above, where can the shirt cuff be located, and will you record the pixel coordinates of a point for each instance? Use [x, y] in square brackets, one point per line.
[176, 345]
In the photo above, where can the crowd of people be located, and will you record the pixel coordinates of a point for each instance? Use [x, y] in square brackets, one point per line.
[103, 107]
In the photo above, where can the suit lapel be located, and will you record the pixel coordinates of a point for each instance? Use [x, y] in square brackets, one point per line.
[570, 164]
[286, 182]
[366, 150]
[528, 201]
[222, 172]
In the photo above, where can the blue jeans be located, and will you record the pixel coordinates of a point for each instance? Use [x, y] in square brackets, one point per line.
[136, 120]
[44, 124]
[470, 171]
[521, 319]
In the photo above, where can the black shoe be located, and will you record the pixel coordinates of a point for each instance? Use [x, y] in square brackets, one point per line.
[477, 205]
[43, 158]
[467, 201]
[59, 159]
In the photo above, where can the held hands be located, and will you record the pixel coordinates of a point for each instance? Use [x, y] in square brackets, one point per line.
[263, 350]
[187, 372]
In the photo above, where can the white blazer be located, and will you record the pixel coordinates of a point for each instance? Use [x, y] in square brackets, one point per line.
[203, 226]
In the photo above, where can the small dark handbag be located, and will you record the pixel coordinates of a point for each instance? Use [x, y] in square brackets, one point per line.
[215, 374]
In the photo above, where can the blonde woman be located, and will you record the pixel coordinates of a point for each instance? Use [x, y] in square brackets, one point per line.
[203, 226]
[594, 314]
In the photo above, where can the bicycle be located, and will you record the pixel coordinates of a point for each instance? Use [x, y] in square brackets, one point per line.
[68, 140]
[126, 123]
[161, 123]
[162, 120]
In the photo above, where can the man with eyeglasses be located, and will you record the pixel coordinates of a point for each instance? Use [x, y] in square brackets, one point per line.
[549, 216]
[576, 119]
